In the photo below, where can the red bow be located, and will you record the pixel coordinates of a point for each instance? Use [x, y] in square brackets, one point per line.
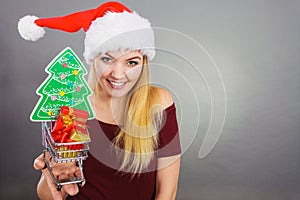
[62, 133]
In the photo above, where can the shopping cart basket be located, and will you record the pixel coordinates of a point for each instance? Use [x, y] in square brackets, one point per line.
[63, 152]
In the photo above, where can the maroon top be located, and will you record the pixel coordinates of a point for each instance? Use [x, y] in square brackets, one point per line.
[103, 181]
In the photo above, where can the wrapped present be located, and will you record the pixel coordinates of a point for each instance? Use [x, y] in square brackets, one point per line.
[70, 126]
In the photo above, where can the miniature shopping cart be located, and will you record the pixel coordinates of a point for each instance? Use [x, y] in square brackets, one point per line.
[63, 152]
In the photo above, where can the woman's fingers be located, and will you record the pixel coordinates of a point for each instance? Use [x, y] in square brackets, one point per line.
[70, 189]
[57, 195]
[78, 174]
[39, 163]
[60, 171]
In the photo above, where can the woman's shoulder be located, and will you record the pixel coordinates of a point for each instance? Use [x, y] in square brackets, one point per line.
[165, 96]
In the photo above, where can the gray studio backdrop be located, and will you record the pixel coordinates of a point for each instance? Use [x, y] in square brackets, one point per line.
[253, 45]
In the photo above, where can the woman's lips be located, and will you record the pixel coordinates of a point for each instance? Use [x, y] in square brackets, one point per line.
[116, 85]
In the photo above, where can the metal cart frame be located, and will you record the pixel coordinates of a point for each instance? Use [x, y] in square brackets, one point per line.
[63, 152]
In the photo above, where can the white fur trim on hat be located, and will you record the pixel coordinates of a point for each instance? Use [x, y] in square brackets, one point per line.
[119, 31]
[29, 30]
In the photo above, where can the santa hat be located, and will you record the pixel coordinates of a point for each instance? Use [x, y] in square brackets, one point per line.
[111, 26]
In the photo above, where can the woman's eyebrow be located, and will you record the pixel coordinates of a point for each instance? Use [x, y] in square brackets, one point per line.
[134, 58]
[110, 55]
[138, 57]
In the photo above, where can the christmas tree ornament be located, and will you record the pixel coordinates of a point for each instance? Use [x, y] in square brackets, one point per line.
[112, 26]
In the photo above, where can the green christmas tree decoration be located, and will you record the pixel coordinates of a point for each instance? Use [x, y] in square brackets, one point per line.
[65, 86]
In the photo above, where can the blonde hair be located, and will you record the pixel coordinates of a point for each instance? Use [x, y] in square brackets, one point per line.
[138, 139]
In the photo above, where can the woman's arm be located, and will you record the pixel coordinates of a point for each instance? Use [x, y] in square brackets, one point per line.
[167, 167]
[167, 177]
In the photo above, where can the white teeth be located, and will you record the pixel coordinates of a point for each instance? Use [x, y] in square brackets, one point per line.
[117, 84]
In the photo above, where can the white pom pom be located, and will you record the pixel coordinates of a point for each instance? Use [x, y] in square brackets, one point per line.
[29, 30]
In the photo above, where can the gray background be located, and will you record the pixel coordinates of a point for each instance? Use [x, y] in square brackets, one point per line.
[256, 47]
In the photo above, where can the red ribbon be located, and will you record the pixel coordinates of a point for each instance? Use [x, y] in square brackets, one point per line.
[62, 133]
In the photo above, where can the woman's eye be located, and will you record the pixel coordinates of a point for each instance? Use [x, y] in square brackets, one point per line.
[132, 63]
[106, 59]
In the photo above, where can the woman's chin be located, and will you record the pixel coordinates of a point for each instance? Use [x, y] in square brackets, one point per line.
[118, 93]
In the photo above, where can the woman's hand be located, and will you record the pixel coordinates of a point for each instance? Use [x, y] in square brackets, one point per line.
[46, 188]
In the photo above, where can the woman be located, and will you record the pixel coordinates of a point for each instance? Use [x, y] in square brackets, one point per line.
[135, 148]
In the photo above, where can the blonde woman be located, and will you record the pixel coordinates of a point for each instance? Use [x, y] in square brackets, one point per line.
[135, 149]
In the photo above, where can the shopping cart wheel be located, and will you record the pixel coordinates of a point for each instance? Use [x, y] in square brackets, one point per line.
[80, 184]
[58, 187]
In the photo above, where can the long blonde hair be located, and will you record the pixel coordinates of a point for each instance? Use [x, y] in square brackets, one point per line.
[138, 139]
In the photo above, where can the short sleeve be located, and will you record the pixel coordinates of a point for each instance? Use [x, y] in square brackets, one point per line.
[169, 140]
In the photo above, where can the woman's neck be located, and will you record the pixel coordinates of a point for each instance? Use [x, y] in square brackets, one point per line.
[108, 109]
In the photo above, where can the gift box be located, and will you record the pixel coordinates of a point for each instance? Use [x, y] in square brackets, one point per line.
[70, 126]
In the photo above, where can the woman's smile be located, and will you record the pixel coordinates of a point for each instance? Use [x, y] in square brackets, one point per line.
[116, 84]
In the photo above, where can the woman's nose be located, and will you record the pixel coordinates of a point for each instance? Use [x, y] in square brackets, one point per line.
[118, 70]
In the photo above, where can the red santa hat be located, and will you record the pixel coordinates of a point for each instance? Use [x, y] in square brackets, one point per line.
[111, 26]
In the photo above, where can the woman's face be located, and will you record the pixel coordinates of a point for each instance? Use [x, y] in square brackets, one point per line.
[118, 71]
